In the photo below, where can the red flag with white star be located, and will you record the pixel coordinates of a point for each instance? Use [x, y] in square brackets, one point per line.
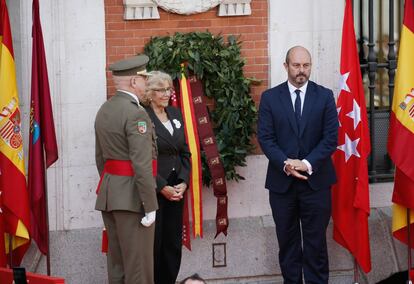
[350, 195]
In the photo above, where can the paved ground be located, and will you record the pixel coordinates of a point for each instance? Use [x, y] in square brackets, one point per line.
[248, 256]
[345, 277]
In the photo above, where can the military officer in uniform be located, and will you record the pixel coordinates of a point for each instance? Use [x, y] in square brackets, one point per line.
[125, 152]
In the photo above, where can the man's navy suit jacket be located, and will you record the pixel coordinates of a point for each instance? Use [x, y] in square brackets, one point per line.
[315, 141]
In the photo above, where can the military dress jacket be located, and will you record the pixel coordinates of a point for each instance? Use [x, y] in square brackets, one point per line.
[124, 131]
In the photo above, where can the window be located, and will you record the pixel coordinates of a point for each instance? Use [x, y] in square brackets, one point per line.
[377, 26]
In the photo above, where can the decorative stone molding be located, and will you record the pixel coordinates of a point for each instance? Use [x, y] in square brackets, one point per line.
[140, 10]
[187, 7]
[147, 9]
[235, 8]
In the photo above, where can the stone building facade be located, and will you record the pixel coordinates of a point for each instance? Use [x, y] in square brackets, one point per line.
[83, 37]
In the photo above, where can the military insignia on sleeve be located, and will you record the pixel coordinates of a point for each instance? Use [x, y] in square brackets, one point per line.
[142, 127]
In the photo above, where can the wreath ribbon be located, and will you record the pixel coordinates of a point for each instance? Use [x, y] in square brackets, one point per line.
[208, 144]
[197, 120]
[192, 137]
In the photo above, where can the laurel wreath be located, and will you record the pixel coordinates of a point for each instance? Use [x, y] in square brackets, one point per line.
[220, 67]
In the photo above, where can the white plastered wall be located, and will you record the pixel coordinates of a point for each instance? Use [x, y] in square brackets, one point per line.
[74, 38]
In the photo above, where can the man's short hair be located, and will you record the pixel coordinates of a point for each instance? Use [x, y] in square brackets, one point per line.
[195, 276]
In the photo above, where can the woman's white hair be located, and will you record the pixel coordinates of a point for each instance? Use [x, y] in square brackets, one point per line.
[156, 80]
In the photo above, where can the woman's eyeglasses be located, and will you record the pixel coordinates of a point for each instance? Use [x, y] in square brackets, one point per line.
[165, 91]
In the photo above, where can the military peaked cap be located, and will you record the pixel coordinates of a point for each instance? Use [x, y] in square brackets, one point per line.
[130, 66]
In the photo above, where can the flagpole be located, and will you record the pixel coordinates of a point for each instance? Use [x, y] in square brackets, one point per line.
[356, 274]
[409, 246]
[47, 219]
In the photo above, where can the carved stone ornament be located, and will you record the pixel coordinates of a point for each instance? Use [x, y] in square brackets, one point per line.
[187, 7]
[234, 8]
[147, 9]
[140, 10]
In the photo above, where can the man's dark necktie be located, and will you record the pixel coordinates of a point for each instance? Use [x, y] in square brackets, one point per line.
[297, 107]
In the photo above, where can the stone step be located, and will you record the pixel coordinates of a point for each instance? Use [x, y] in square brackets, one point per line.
[250, 254]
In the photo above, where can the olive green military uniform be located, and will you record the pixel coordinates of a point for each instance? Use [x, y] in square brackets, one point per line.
[124, 132]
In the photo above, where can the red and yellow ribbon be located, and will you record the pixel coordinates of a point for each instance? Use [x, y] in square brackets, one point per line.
[190, 124]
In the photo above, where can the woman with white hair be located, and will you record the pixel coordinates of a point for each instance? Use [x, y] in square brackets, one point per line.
[172, 177]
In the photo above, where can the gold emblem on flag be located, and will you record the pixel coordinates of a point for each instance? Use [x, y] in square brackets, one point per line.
[10, 131]
[222, 221]
[408, 103]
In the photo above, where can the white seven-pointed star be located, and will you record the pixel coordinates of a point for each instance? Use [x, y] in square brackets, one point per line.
[342, 82]
[349, 148]
[355, 114]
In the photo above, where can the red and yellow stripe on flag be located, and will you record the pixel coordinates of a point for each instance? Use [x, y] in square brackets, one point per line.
[191, 132]
[401, 132]
[15, 208]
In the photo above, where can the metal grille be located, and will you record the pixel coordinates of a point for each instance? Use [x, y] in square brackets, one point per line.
[377, 27]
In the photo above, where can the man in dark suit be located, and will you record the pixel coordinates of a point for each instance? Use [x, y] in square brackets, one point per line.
[125, 151]
[297, 131]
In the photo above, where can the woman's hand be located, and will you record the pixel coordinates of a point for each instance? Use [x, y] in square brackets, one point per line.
[171, 193]
[180, 188]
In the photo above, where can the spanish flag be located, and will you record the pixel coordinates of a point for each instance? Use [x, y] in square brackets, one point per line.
[15, 214]
[401, 132]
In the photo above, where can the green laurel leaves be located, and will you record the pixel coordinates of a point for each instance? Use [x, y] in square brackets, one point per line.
[220, 67]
